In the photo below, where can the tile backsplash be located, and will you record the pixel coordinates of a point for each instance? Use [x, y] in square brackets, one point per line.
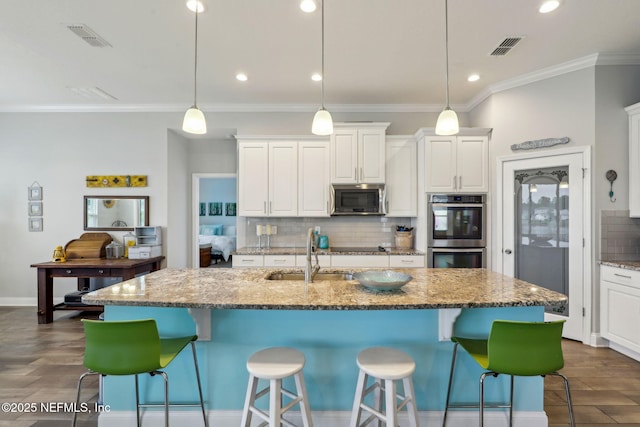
[620, 236]
[358, 231]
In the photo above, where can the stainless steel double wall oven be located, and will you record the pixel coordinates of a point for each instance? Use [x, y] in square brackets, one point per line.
[456, 225]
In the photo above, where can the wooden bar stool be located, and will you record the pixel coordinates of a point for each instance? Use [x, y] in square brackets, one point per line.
[385, 365]
[275, 364]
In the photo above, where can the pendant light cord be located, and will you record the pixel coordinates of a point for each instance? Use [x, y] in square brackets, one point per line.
[322, 49]
[446, 46]
[195, 66]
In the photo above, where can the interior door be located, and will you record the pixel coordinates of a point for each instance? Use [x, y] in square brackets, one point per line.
[542, 235]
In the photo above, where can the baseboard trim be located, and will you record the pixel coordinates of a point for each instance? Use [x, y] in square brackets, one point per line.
[18, 302]
[322, 418]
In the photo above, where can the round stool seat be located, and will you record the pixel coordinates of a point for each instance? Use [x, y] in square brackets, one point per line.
[275, 363]
[386, 363]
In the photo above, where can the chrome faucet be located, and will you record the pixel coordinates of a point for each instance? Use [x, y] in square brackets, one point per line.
[309, 271]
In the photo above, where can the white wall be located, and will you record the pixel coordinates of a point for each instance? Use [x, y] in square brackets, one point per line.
[58, 150]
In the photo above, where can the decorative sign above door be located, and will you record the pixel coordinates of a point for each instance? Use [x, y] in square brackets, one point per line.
[116, 181]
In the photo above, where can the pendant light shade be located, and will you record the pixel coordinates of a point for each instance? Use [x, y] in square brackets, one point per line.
[194, 121]
[447, 123]
[322, 121]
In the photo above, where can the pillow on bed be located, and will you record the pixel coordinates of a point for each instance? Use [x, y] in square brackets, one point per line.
[211, 230]
[229, 230]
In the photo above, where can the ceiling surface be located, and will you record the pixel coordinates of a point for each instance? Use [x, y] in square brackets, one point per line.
[377, 52]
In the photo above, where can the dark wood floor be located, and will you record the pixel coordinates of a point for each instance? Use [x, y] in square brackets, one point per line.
[42, 363]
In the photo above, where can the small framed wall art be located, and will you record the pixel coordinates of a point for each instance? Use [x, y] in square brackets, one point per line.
[215, 208]
[35, 208]
[231, 209]
[35, 224]
[35, 192]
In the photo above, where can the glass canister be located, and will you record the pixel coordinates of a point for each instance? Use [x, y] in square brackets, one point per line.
[114, 250]
[128, 240]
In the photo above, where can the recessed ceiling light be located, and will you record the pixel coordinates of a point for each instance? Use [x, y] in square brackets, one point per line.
[242, 77]
[192, 4]
[473, 78]
[549, 6]
[316, 77]
[308, 5]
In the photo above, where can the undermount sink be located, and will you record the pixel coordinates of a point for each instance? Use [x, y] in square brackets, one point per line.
[317, 277]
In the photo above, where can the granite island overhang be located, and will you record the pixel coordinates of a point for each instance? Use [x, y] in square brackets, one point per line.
[330, 322]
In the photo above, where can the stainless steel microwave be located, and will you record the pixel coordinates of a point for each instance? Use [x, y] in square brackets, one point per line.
[358, 199]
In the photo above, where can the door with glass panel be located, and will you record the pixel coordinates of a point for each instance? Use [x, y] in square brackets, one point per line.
[542, 240]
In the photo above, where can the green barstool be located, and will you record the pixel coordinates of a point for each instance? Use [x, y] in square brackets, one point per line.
[133, 347]
[516, 349]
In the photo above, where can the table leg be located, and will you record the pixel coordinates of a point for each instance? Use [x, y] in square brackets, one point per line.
[45, 296]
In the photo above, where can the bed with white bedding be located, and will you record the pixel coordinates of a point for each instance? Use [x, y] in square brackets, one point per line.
[222, 239]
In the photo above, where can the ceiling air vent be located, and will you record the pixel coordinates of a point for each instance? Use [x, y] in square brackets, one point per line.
[88, 35]
[506, 45]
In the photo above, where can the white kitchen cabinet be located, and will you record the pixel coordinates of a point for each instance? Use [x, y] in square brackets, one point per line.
[634, 159]
[401, 177]
[456, 164]
[358, 153]
[313, 178]
[406, 261]
[247, 261]
[279, 260]
[267, 178]
[359, 261]
[620, 307]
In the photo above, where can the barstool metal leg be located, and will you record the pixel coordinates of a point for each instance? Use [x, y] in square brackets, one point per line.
[511, 403]
[195, 362]
[137, 402]
[453, 365]
[82, 377]
[568, 394]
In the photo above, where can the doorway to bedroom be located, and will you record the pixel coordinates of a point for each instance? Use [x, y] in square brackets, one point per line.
[214, 219]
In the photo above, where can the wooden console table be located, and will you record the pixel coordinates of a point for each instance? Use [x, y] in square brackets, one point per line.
[83, 269]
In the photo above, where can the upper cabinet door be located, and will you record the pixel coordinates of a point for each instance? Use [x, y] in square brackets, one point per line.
[358, 153]
[472, 164]
[456, 164]
[253, 179]
[344, 156]
[440, 164]
[371, 155]
[402, 177]
[283, 178]
[313, 178]
[634, 159]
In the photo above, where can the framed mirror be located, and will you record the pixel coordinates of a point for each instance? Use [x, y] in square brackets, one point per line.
[115, 213]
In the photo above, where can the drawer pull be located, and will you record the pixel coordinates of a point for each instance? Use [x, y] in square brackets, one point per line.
[407, 261]
[622, 275]
[68, 271]
[248, 260]
[279, 261]
[101, 271]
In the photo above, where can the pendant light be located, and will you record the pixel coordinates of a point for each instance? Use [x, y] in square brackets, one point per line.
[322, 121]
[447, 123]
[194, 121]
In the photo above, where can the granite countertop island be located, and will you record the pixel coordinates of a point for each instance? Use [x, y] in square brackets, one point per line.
[250, 289]
[236, 312]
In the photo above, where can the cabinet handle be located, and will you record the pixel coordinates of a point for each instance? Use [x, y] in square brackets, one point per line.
[622, 275]
[270, 207]
[328, 207]
[460, 182]
[68, 271]
[264, 206]
[361, 174]
[455, 181]
[407, 261]
[355, 173]
[280, 261]
[248, 260]
[101, 271]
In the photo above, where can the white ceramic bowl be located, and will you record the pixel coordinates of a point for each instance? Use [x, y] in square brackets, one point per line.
[386, 280]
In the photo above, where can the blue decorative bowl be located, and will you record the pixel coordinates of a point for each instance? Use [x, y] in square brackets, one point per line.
[387, 280]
